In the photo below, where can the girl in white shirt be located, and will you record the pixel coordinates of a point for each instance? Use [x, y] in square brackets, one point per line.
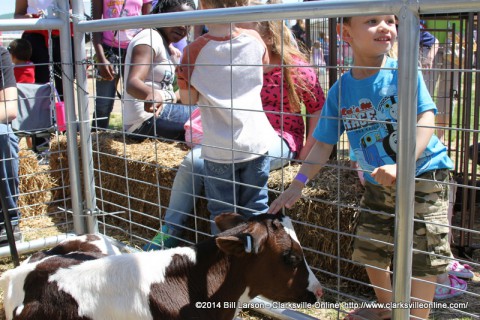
[150, 74]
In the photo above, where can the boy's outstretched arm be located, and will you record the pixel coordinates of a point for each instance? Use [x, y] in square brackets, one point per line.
[387, 175]
[315, 160]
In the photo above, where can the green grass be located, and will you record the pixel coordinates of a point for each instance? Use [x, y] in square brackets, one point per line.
[116, 121]
[460, 122]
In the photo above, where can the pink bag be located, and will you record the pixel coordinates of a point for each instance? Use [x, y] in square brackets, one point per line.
[61, 124]
[193, 129]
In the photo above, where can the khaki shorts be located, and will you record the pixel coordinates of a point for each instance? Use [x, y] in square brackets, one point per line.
[430, 238]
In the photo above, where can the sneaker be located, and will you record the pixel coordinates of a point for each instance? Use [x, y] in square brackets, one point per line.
[161, 238]
[17, 235]
[43, 158]
[460, 270]
[456, 288]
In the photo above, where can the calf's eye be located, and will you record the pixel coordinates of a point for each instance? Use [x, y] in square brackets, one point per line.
[291, 259]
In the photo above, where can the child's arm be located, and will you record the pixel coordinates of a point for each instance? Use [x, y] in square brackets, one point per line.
[310, 141]
[135, 83]
[21, 10]
[8, 104]
[425, 130]
[189, 96]
[316, 159]
[387, 175]
[8, 90]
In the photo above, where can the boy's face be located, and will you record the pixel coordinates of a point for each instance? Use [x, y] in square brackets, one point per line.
[370, 34]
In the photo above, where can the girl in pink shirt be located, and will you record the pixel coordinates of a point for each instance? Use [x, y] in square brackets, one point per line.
[283, 108]
[110, 49]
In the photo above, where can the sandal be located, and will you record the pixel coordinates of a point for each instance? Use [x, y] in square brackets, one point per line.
[456, 288]
[464, 271]
[369, 314]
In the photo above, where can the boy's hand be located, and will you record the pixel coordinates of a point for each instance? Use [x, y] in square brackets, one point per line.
[385, 175]
[288, 197]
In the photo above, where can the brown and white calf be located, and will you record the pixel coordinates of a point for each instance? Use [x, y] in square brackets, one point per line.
[96, 245]
[260, 256]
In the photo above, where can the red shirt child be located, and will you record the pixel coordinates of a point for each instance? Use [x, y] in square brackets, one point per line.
[25, 73]
[21, 51]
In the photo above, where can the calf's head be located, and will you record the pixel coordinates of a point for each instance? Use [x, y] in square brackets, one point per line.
[273, 255]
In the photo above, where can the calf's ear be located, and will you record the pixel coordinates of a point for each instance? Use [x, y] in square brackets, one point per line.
[229, 220]
[236, 245]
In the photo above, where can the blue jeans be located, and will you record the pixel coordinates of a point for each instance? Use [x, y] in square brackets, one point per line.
[237, 187]
[9, 172]
[169, 124]
[104, 101]
[105, 91]
[189, 180]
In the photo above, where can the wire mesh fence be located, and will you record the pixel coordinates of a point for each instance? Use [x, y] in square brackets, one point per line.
[97, 178]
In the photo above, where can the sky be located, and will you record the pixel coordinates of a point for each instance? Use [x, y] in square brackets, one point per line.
[7, 7]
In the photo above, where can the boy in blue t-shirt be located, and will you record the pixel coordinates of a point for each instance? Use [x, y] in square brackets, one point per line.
[366, 101]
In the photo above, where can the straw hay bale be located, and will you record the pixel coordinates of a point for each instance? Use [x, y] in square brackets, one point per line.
[326, 217]
[130, 176]
[35, 186]
[136, 178]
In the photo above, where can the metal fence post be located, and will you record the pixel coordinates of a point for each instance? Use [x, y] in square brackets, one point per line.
[408, 38]
[68, 96]
[90, 208]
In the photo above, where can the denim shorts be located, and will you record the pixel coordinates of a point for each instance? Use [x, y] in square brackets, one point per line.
[430, 239]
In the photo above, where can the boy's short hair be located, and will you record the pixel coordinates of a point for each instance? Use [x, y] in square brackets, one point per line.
[225, 3]
[20, 49]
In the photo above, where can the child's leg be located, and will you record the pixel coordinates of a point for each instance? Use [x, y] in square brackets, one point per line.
[253, 190]
[431, 236]
[221, 185]
[29, 142]
[381, 280]
[280, 154]
[373, 246]
[423, 290]
[187, 186]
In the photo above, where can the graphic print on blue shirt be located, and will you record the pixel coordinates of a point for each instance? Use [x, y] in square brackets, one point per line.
[377, 140]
